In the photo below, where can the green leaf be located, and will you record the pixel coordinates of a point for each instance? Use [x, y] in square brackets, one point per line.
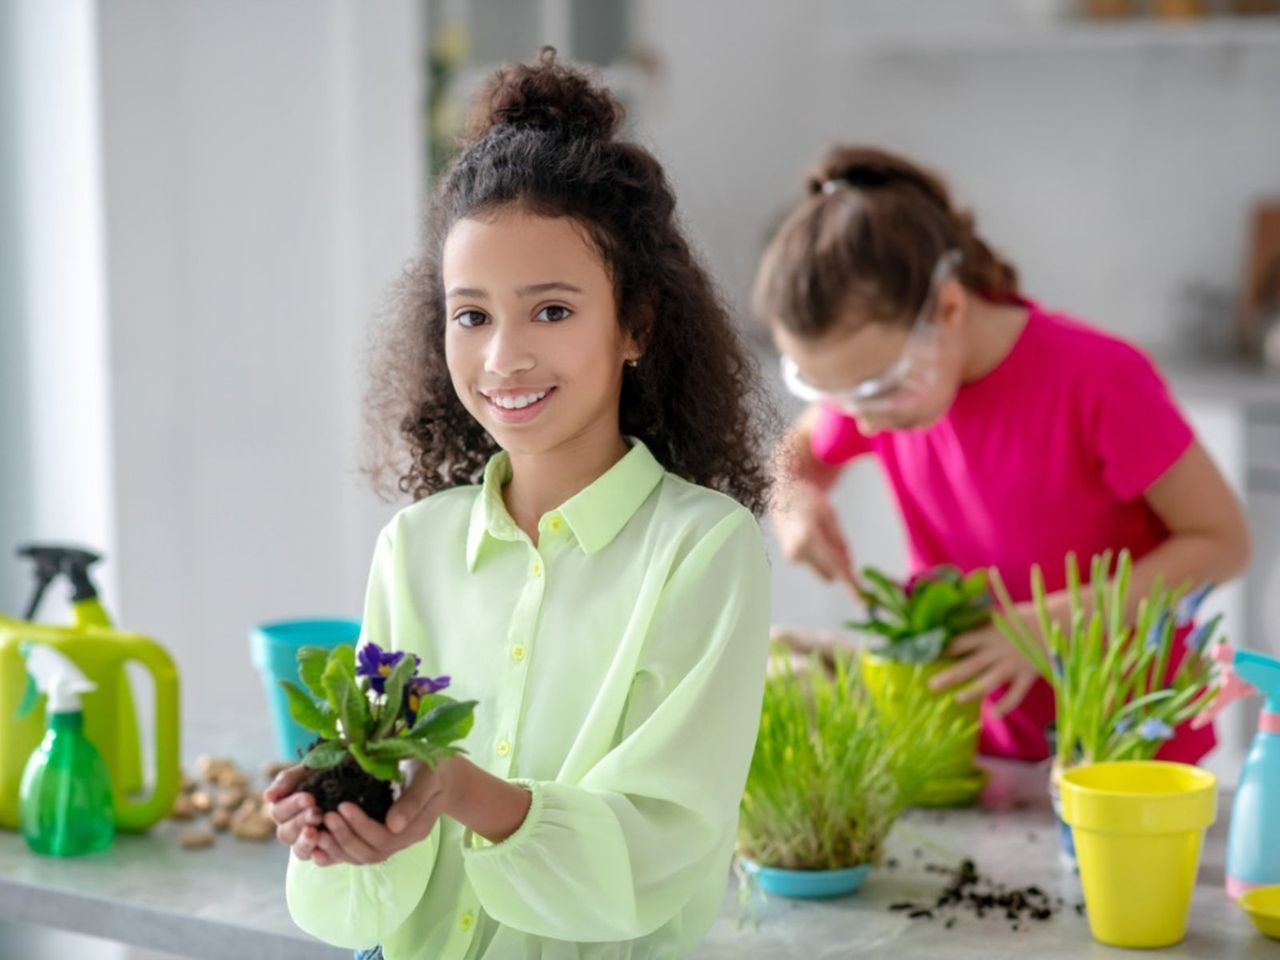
[931, 604]
[446, 722]
[975, 585]
[311, 664]
[886, 593]
[922, 648]
[325, 755]
[381, 769]
[353, 708]
[315, 717]
[344, 657]
[397, 749]
[393, 694]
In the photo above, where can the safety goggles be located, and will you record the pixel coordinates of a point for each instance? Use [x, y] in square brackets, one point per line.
[912, 374]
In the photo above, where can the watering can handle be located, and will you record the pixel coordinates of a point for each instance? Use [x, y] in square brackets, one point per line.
[138, 815]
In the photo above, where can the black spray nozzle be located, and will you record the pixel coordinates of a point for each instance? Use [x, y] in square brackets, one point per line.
[53, 559]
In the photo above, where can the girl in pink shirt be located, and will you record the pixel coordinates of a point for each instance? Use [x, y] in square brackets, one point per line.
[1010, 434]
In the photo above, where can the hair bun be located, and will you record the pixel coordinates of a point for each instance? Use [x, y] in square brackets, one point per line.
[871, 168]
[545, 95]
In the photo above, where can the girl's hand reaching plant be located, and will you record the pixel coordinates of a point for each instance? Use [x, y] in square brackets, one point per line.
[987, 662]
[808, 531]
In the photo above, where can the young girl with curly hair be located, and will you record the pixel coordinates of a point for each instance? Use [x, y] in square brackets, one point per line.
[582, 557]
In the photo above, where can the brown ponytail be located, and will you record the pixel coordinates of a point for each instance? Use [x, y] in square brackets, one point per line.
[866, 238]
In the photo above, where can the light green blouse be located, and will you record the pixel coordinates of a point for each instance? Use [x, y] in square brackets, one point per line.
[619, 666]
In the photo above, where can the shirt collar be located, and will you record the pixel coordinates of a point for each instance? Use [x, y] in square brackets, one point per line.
[594, 515]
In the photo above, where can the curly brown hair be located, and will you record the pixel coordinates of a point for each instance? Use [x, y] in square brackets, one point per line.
[543, 137]
[867, 235]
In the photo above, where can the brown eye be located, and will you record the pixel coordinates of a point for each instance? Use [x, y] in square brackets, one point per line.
[470, 318]
[554, 313]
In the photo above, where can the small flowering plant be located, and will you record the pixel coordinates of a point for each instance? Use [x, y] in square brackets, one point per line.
[1118, 695]
[370, 710]
[914, 621]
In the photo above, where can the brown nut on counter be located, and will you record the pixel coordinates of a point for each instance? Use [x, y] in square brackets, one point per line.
[202, 801]
[232, 798]
[231, 777]
[211, 768]
[183, 809]
[254, 827]
[220, 820]
[196, 839]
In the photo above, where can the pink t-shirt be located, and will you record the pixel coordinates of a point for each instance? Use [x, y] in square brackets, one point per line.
[1048, 453]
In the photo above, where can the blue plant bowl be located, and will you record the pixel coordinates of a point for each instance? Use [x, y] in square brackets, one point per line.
[807, 884]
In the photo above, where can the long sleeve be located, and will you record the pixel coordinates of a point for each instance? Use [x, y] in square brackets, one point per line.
[650, 827]
[360, 906]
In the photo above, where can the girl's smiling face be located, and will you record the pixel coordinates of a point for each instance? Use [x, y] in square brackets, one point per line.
[533, 343]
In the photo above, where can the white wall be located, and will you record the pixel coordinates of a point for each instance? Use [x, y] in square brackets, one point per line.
[262, 175]
[1113, 167]
[55, 481]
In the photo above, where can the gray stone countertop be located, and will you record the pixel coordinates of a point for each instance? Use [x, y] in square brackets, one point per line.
[228, 901]
[1013, 839]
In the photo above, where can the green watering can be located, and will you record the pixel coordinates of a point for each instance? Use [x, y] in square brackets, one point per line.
[101, 652]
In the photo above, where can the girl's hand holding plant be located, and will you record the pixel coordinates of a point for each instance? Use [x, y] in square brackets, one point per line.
[352, 836]
[376, 720]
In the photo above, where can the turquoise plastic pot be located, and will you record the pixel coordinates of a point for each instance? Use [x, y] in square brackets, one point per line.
[807, 884]
[274, 649]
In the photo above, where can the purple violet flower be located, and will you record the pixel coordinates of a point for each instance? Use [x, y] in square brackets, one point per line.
[1125, 723]
[418, 688]
[376, 664]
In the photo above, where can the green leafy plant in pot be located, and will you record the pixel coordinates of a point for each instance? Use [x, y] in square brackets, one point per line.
[370, 711]
[910, 625]
[1118, 694]
[831, 773]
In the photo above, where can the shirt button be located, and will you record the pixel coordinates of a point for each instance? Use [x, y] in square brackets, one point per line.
[504, 747]
[555, 524]
[517, 652]
[466, 920]
[536, 569]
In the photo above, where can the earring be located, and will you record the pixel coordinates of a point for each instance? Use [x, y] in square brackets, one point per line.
[633, 363]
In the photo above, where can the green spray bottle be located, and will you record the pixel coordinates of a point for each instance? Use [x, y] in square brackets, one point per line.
[64, 801]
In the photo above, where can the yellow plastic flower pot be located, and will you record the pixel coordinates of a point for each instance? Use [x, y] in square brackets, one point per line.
[1262, 904]
[891, 683]
[1139, 826]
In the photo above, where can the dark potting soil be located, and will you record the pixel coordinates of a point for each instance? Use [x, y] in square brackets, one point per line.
[969, 892]
[348, 782]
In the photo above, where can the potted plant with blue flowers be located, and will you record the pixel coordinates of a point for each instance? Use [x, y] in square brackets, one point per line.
[369, 711]
[831, 773]
[1119, 695]
[910, 625]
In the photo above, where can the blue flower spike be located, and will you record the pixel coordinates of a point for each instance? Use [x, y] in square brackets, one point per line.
[1155, 635]
[1189, 605]
[1153, 729]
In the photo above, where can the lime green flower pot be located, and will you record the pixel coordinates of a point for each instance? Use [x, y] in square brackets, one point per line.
[959, 780]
